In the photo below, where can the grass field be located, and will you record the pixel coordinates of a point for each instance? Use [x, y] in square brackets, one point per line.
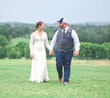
[89, 79]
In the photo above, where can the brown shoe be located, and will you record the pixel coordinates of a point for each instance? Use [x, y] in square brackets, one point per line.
[65, 83]
[60, 80]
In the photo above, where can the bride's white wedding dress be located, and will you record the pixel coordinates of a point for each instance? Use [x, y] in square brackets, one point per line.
[39, 72]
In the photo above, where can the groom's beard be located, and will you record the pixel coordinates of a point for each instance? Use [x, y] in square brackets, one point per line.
[61, 27]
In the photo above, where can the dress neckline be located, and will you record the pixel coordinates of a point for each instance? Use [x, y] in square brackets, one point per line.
[39, 35]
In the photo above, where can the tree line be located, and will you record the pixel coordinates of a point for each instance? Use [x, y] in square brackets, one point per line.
[95, 40]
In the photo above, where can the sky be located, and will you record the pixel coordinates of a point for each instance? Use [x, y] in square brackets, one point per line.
[50, 11]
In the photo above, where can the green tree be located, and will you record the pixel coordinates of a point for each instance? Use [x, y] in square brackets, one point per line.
[3, 52]
[26, 51]
[3, 40]
[14, 52]
[3, 49]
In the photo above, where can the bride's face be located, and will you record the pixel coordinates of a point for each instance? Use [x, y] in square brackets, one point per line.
[42, 27]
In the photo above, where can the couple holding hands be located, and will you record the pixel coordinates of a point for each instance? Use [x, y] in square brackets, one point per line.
[65, 39]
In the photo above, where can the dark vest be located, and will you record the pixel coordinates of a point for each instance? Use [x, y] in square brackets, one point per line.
[64, 42]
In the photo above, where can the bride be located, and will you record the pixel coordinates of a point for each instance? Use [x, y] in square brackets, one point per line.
[38, 40]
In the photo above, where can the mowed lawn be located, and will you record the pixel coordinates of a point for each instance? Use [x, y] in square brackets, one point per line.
[89, 79]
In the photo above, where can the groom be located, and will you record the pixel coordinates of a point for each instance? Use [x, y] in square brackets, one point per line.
[65, 38]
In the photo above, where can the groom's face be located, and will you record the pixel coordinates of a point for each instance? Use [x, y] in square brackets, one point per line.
[61, 25]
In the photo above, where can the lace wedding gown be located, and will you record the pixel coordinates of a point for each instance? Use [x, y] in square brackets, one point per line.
[39, 72]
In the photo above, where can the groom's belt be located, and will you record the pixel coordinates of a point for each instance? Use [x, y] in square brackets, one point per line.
[64, 50]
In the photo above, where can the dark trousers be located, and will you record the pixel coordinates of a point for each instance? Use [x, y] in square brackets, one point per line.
[63, 59]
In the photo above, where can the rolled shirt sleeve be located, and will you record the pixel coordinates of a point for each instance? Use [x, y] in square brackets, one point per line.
[75, 40]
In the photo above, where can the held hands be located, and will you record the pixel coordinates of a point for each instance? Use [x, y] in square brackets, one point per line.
[76, 53]
[51, 53]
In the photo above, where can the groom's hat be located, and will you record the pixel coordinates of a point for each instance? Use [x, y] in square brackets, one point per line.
[62, 20]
